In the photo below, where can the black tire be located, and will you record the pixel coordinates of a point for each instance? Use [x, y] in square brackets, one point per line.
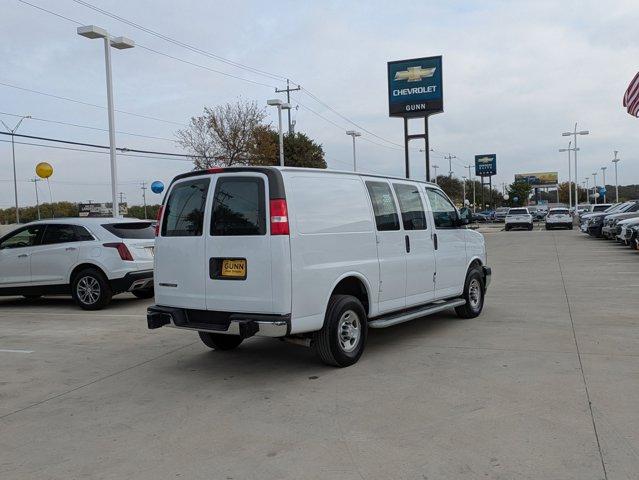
[506, 228]
[570, 227]
[547, 227]
[32, 297]
[218, 341]
[91, 290]
[474, 285]
[342, 339]
[530, 228]
[143, 293]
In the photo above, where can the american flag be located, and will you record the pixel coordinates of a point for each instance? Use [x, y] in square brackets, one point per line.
[631, 97]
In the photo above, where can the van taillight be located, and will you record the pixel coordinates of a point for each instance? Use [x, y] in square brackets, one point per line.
[158, 220]
[122, 249]
[279, 217]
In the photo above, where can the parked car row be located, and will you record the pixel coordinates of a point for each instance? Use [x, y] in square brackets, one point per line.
[618, 222]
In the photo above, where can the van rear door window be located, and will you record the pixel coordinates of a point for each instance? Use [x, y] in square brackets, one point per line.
[383, 206]
[184, 211]
[239, 207]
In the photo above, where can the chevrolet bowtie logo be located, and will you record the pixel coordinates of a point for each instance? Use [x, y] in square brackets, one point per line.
[414, 74]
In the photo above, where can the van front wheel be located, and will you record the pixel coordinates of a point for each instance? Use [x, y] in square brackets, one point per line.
[218, 341]
[473, 294]
[341, 340]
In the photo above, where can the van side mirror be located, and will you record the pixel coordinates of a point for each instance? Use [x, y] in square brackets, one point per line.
[464, 216]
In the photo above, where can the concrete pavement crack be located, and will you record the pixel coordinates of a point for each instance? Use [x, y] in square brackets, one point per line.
[581, 366]
[92, 382]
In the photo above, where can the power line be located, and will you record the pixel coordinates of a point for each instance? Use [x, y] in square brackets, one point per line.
[88, 127]
[81, 102]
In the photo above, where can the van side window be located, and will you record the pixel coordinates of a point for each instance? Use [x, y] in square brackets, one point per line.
[411, 206]
[383, 206]
[184, 211]
[239, 207]
[444, 212]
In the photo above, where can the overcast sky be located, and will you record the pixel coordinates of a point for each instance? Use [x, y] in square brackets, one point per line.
[516, 75]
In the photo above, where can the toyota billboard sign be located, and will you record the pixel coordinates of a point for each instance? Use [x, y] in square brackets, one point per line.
[415, 87]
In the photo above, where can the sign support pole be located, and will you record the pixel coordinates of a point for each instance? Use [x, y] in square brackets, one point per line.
[406, 140]
[426, 149]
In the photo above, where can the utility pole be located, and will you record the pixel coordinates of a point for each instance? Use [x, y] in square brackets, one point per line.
[288, 91]
[603, 170]
[594, 187]
[35, 184]
[615, 161]
[464, 190]
[450, 157]
[144, 187]
[588, 190]
[13, 150]
[435, 167]
[117, 207]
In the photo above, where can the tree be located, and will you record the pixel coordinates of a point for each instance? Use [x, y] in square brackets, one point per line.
[299, 150]
[519, 190]
[224, 135]
[564, 196]
[137, 211]
[452, 187]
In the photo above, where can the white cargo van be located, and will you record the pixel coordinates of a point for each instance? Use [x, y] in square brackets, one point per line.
[314, 256]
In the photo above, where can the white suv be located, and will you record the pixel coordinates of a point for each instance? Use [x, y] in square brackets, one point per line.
[518, 218]
[314, 256]
[90, 258]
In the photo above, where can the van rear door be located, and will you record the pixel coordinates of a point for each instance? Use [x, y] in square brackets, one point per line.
[238, 247]
[180, 266]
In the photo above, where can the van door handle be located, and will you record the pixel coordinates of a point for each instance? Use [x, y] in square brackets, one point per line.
[70, 249]
[435, 243]
[407, 240]
[23, 255]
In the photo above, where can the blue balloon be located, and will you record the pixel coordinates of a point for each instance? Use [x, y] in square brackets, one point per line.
[157, 187]
[515, 199]
[602, 191]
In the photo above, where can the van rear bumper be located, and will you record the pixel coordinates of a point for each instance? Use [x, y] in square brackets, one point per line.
[228, 323]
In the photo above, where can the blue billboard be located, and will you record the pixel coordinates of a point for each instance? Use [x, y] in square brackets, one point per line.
[485, 165]
[415, 87]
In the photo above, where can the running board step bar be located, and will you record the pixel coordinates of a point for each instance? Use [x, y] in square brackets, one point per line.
[396, 318]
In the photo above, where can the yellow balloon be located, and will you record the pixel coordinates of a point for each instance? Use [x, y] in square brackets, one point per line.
[44, 170]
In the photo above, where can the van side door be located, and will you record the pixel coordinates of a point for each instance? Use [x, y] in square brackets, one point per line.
[450, 245]
[420, 251]
[391, 246]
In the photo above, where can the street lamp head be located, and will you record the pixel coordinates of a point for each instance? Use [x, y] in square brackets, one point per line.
[286, 106]
[566, 134]
[561, 150]
[122, 43]
[91, 31]
[583, 132]
[274, 102]
[353, 133]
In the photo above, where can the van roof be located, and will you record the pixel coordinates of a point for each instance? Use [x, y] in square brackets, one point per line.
[272, 169]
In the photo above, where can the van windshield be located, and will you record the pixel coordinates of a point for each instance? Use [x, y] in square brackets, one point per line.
[184, 211]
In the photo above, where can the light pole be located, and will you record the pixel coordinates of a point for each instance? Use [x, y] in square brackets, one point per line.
[435, 167]
[588, 190]
[603, 170]
[561, 150]
[473, 180]
[574, 134]
[121, 43]
[464, 190]
[13, 150]
[594, 187]
[616, 161]
[354, 134]
[276, 102]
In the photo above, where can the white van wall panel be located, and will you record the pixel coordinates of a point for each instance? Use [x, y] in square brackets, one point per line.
[331, 235]
[281, 274]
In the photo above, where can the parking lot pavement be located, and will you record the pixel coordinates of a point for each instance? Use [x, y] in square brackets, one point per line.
[503, 396]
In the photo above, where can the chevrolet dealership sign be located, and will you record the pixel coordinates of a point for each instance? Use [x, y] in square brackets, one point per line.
[486, 165]
[415, 87]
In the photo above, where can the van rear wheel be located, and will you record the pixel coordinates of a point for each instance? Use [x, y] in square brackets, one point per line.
[341, 340]
[218, 341]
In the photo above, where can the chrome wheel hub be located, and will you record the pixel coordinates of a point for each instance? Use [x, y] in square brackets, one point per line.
[474, 294]
[88, 290]
[349, 331]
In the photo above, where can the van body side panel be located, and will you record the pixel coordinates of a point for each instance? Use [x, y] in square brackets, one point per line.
[281, 274]
[332, 233]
